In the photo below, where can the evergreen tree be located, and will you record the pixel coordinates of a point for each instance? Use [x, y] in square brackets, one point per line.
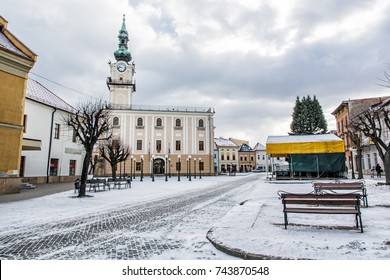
[308, 117]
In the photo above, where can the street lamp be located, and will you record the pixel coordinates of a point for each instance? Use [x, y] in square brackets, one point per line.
[153, 168]
[179, 167]
[200, 169]
[169, 167]
[142, 168]
[194, 168]
[131, 167]
[135, 161]
[166, 168]
[189, 167]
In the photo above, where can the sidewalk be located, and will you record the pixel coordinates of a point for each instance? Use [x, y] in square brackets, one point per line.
[40, 190]
[254, 229]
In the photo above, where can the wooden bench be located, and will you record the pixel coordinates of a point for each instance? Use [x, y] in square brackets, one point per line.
[336, 187]
[97, 184]
[347, 204]
[119, 182]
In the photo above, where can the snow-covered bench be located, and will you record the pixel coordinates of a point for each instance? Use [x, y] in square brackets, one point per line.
[97, 184]
[337, 186]
[346, 204]
[119, 182]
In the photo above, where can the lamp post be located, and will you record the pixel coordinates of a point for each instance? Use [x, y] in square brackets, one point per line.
[194, 168]
[142, 168]
[353, 172]
[179, 167]
[169, 167]
[200, 169]
[131, 167]
[166, 168]
[135, 161]
[153, 168]
[189, 167]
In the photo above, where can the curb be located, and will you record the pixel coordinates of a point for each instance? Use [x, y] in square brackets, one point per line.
[236, 252]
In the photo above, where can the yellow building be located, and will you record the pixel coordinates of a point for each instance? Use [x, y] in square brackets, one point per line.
[16, 60]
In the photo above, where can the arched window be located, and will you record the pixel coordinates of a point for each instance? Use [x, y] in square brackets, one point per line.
[115, 121]
[140, 122]
[201, 123]
[178, 122]
[159, 122]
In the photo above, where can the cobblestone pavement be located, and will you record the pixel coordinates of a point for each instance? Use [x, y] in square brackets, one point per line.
[141, 231]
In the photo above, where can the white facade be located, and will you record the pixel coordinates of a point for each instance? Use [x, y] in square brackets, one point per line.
[261, 157]
[228, 155]
[159, 135]
[49, 152]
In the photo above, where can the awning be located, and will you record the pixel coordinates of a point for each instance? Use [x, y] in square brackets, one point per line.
[31, 145]
[304, 144]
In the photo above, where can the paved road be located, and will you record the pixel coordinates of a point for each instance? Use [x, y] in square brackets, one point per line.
[166, 226]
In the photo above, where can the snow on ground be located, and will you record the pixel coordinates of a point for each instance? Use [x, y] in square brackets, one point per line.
[255, 226]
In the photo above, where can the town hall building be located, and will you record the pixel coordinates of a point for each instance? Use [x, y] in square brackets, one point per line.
[161, 139]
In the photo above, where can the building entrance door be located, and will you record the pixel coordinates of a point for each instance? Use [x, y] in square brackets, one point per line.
[159, 166]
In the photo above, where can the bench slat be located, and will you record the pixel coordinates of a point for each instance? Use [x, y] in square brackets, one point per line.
[322, 211]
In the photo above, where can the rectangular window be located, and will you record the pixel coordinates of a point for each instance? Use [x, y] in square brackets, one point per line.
[227, 157]
[234, 157]
[138, 166]
[72, 167]
[57, 131]
[201, 165]
[54, 167]
[139, 145]
[178, 145]
[252, 158]
[222, 157]
[201, 145]
[158, 145]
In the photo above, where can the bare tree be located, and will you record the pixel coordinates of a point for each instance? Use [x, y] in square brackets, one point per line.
[114, 152]
[372, 122]
[91, 123]
[356, 138]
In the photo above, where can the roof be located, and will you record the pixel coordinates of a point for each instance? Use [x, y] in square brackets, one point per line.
[222, 142]
[259, 147]
[245, 148]
[304, 144]
[36, 91]
[12, 44]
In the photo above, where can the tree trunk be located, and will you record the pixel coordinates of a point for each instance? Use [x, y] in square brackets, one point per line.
[359, 162]
[386, 166]
[113, 170]
[84, 173]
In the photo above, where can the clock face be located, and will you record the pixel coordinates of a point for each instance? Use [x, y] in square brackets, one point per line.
[121, 67]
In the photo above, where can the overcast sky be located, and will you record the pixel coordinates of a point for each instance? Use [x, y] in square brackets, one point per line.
[247, 59]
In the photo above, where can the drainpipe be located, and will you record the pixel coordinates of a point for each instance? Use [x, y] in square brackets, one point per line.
[50, 141]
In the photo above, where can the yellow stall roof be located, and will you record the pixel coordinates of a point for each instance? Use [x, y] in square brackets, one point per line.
[304, 144]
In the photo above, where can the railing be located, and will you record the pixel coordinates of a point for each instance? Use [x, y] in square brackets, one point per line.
[162, 108]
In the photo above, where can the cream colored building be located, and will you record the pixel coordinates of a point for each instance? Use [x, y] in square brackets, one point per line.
[161, 138]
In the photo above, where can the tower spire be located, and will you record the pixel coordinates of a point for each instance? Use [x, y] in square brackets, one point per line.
[122, 52]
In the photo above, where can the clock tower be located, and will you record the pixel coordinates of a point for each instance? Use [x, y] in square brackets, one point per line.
[121, 83]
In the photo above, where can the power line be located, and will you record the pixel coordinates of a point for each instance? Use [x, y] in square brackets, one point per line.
[47, 79]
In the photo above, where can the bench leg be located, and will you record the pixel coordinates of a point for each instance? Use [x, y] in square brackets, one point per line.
[285, 220]
[361, 224]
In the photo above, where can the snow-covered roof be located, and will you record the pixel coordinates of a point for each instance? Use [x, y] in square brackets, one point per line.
[7, 44]
[302, 138]
[259, 147]
[222, 142]
[36, 91]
